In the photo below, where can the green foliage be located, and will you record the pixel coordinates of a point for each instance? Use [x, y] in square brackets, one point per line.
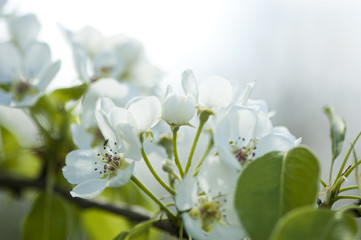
[273, 185]
[315, 224]
[67, 94]
[130, 194]
[138, 232]
[104, 225]
[46, 220]
[15, 159]
[337, 131]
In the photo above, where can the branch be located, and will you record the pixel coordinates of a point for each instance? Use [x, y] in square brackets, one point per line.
[135, 214]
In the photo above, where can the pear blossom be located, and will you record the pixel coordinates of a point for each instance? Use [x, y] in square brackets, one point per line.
[244, 133]
[145, 112]
[87, 134]
[24, 77]
[214, 92]
[119, 57]
[178, 109]
[24, 30]
[111, 166]
[206, 202]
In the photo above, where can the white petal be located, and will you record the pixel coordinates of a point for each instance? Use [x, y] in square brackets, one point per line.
[10, 63]
[105, 104]
[90, 39]
[130, 141]
[274, 142]
[80, 166]
[107, 130]
[81, 63]
[226, 232]
[217, 177]
[24, 29]
[111, 61]
[193, 227]
[259, 105]
[189, 84]
[215, 92]
[178, 109]
[117, 115]
[186, 195]
[118, 92]
[89, 189]
[47, 74]
[146, 112]
[222, 129]
[243, 123]
[123, 176]
[226, 155]
[246, 93]
[36, 57]
[81, 138]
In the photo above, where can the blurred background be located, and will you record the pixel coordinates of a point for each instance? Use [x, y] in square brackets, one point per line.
[303, 54]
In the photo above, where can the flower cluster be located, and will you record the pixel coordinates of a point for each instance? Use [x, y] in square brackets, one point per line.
[26, 68]
[216, 118]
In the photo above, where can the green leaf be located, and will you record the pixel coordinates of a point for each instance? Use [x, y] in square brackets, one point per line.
[337, 131]
[122, 236]
[46, 220]
[15, 159]
[139, 232]
[273, 185]
[315, 224]
[104, 225]
[66, 94]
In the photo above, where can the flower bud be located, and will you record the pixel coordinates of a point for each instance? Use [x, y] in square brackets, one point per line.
[167, 166]
[178, 110]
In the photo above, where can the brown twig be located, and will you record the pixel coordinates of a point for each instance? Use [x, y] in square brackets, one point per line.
[132, 213]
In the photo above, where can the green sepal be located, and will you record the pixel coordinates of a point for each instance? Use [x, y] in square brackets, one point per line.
[337, 131]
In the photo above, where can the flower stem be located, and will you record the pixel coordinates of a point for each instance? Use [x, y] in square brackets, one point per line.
[169, 189]
[323, 183]
[154, 198]
[348, 188]
[175, 151]
[209, 148]
[347, 156]
[345, 197]
[203, 117]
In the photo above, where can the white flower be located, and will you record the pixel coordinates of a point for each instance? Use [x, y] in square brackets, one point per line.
[93, 171]
[145, 112]
[24, 30]
[119, 57]
[177, 109]
[206, 202]
[214, 92]
[86, 133]
[243, 134]
[24, 78]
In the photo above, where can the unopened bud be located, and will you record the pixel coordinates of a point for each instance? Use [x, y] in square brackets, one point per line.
[167, 166]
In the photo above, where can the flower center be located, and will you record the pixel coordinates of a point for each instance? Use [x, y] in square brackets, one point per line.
[246, 152]
[209, 211]
[110, 160]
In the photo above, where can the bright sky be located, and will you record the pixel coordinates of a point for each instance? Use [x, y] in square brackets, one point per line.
[170, 30]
